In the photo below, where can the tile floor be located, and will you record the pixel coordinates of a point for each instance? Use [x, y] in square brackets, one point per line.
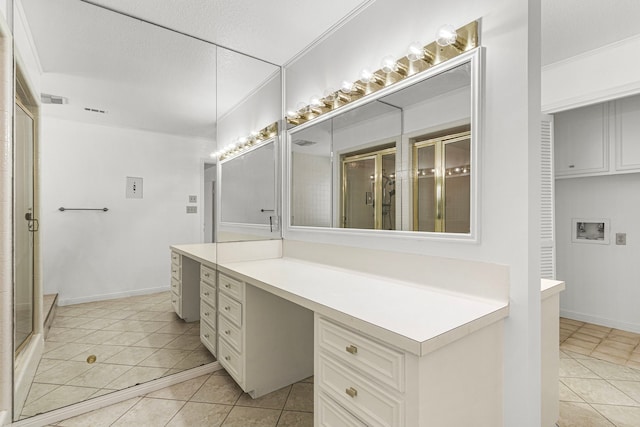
[134, 339]
[599, 376]
[211, 400]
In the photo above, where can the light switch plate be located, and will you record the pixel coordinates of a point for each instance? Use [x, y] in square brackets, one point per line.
[621, 238]
[192, 209]
[134, 187]
[193, 199]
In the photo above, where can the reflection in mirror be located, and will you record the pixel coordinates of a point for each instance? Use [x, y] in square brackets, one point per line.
[400, 162]
[248, 208]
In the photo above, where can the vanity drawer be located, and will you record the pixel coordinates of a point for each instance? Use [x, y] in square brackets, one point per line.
[208, 293]
[207, 313]
[374, 404]
[231, 361]
[208, 337]
[176, 302]
[360, 353]
[330, 414]
[231, 286]
[230, 308]
[207, 274]
[176, 259]
[176, 271]
[176, 286]
[231, 333]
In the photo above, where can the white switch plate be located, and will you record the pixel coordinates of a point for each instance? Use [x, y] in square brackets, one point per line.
[192, 209]
[193, 199]
[134, 187]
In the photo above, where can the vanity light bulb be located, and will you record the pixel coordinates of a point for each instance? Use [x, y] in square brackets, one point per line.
[302, 107]
[255, 133]
[446, 35]
[314, 101]
[346, 87]
[329, 94]
[242, 140]
[213, 155]
[389, 64]
[415, 52]
[292, 114]
[366, 76]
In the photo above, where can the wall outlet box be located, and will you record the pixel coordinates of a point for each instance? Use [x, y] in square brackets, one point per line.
[193, 199]
[134, 187]
[192, 209]
[621, 238]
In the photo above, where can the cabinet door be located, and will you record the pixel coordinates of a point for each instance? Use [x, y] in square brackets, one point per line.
[627, 135]
[582, 141]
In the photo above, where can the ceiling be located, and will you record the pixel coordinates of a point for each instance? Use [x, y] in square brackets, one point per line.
[145, 76]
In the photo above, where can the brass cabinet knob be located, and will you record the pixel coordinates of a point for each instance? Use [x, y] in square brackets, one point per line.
[227, 358]
[352, 349]
[227, 308]
[226, 285]
[206, 293]
[206, 314]
[351, 392]
[206, 274]
[206, 335]
[227, 332]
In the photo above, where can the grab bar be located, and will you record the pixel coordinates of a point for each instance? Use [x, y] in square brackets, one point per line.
[83, 209]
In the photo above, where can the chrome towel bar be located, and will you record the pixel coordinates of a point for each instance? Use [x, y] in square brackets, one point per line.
[61, 209]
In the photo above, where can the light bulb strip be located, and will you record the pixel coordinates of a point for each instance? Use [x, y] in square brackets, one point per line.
[434, 54]
[244, 144]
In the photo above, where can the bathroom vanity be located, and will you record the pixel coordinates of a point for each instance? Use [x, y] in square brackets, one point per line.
[398, 349]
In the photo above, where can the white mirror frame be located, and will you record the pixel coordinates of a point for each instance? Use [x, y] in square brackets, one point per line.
[331, 234]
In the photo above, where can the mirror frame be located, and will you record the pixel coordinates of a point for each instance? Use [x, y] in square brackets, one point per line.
[475, 59]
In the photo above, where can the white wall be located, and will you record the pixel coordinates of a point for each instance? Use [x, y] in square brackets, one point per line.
[509, 179]
[602, 280]
[93, 254]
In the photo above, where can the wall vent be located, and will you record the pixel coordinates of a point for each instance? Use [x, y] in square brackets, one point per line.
[46, 98]
[304, 142]
[95, 110]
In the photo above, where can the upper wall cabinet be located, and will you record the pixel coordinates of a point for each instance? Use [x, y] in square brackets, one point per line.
[598, 139]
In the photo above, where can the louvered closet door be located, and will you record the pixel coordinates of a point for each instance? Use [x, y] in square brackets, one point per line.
[547, 227]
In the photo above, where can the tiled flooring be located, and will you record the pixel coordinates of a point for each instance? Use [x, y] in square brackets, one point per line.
[134, 339]
[599, 376]
[211, 400]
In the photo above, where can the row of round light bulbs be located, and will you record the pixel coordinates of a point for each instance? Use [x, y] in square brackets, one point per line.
[445, 36]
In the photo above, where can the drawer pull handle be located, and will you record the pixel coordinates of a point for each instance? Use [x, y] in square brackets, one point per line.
[227, 332]
[352, 349]
[352, 392]
[227, 308]
[206, 335]
[175, 286]
[206, 293]
[227, 358]
[173, 271]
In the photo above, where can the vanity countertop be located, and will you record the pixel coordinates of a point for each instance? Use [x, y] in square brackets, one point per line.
[415, 318]
[201, 252]
[550, 287]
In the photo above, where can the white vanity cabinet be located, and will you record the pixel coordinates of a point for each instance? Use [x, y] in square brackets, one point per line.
[627, 133]
[264, 341]
[360, 380]
[184, 298]
[208, 308]
[581, 139]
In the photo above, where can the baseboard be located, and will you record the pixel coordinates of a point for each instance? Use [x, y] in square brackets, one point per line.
[25, 369]
[114, 295]
[57, 415]
[5, 420]
[603, 321]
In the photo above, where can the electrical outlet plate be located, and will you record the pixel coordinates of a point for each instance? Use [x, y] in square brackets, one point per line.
[134, 187]
[193, 199]
[192, 209]
[621, 238]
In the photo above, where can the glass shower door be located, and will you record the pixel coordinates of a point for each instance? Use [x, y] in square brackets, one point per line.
[359, 192]
[24, 227]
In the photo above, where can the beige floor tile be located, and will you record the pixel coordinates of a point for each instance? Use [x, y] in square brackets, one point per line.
[63, 373]
[120, 314]
[597, 327]
[102, 392]
[571, 368]
[38, 390]
[61, 396]
[565, 355]
[242, 416]
[99, 375]
[149, 412]
[580, 343]
[200, 414]
[619, 360]
[181, 391]
[102, 352]
[617, 345]
[175, 328]
[98, 337]
[66, 335]
[308, 380]
[300, 398]
[155, 316]
[633, 364]
[574, 414]
[156, 340]
[630, 388]
[195, 358]
[131, 356]
[164, 358]
[52, 345]
[70, 322]
[635, 357]
[218, 389]
[195, 330]
[568, 348]
[99, 313]
[185, 342]
[99, 323]
[593, 332]
[621, 416]
[566, 320]
[46, 364]
[295, 419]
[586, 337]
[611, 371]
[126, 338]
[103, 417]
[621, 333]
[71, 310]
[633, 342]
[566, 395]
[598, 391]
[136, 375]
[273, 400]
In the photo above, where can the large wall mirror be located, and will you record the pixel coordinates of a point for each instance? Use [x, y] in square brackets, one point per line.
[402, 160]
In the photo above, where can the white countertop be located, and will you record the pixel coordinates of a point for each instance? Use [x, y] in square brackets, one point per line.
[202, 252]
[415, 318]
[550, 287]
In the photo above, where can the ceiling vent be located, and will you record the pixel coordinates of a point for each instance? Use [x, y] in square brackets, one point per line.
[95, 110]
[45, 98]
[304, 142]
